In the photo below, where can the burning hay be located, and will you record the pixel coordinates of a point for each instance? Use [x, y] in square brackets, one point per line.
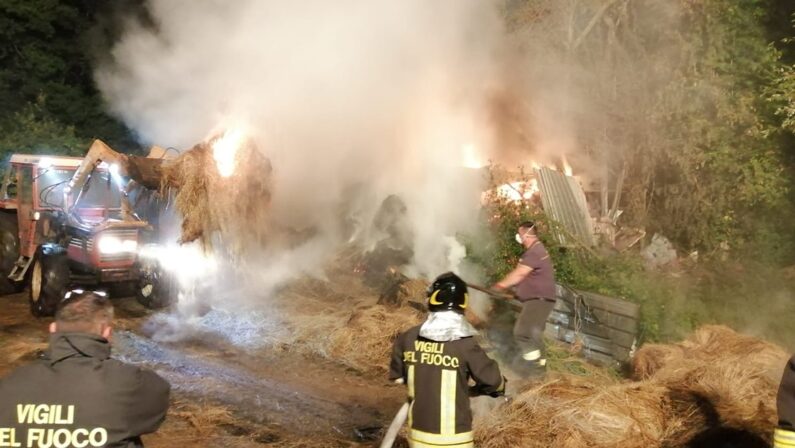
[715, 379]
[342, 320]
[365, 341]
[222, 186]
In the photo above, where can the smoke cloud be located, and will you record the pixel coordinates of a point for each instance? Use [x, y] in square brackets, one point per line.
[350, 100]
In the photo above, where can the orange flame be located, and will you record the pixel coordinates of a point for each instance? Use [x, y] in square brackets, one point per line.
[566, 167]
[224, 151]
[518, 191]
[471, 156]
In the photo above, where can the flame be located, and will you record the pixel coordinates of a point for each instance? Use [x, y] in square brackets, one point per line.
[518, 191]
[471, 158]
[224, 151]
[566, 167]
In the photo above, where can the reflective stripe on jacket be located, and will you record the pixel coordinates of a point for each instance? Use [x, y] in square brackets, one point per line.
[783, 438]
[437, 375]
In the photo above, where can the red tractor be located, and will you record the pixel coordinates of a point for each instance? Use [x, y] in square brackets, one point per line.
[68, 222]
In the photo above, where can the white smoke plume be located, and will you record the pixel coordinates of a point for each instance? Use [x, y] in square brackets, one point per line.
[351, 100]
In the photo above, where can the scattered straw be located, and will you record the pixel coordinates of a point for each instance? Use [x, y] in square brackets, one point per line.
[365, 341]
[715, 378]
[20, 349]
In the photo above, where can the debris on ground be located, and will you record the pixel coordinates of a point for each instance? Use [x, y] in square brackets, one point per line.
[716, 385]
[660, 252]
[22, 349]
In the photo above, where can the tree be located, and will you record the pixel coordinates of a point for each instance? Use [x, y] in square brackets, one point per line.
[32, 132]
[671, 100]
[46, 54]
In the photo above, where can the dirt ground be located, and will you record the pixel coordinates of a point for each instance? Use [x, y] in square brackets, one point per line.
[227, 396]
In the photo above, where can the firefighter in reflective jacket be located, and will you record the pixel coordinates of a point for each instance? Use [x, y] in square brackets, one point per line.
[784, 435]
[436, 360]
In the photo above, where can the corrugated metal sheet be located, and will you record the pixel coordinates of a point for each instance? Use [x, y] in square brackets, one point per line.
[564, 202]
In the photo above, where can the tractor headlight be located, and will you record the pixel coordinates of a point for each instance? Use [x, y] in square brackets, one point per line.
[114, 245]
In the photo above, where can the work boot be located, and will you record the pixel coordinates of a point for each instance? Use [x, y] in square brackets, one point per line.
[529, 369]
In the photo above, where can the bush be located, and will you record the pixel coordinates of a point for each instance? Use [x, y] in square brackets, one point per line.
[748, 296]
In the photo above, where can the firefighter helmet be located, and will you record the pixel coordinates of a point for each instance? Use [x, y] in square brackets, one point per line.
[448, 293]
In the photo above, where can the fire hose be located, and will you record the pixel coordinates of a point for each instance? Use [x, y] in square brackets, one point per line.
[394, 428]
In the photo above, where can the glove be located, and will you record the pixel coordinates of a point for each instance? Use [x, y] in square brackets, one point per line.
[478, 390]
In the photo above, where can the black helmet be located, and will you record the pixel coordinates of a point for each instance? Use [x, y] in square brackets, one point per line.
[448, 293]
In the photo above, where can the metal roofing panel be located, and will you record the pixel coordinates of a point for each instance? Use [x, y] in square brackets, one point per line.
[564, 202]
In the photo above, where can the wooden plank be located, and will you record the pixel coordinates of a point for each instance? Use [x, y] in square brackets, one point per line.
[601, 317]
[568, 320]
[616, 321]
[607, 328]
[618, 337]
[616, 306]
[595, 357]
[594, 343]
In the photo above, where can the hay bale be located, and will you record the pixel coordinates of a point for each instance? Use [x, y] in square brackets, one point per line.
[652, 357]
[740, 395]
[413, 290]
[713, 345]
[570, 411]
[365, 341]
[716, 378]
[732, 378]
[234, 208]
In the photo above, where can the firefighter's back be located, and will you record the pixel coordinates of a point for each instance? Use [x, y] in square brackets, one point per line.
[437, 376]
[76, 395]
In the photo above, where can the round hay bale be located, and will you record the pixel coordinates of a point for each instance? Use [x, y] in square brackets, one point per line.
[574, 411]
[652, 357]
[740, 395]
[234, 206]
[716, 379]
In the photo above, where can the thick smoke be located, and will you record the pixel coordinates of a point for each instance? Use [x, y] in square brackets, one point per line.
[351, 100]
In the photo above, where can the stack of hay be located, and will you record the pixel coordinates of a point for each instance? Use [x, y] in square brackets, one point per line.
[716, 380]
[233, 208]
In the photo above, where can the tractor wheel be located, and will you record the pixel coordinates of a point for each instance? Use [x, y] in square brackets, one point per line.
[49, 280]
[156, 288]
[9, 252]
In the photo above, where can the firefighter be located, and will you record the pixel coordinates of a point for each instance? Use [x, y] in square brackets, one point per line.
[784, 435]
[534, 282]
[76, 395]
[436, 360]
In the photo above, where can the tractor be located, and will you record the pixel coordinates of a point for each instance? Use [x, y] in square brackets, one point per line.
[68, 222]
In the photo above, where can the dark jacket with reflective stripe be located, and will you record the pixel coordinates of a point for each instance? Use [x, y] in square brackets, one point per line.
[785, 403]
[78, 391]
[437, 374]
